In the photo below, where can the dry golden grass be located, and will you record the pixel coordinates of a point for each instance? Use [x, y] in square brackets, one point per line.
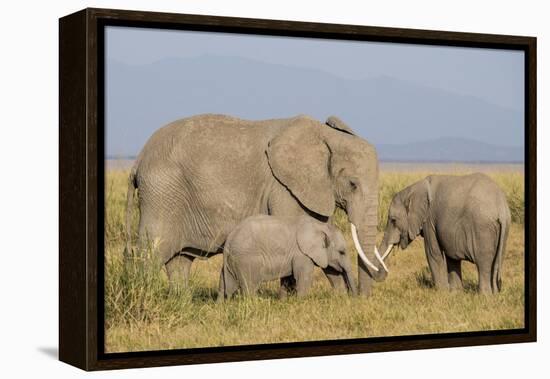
[141, 314]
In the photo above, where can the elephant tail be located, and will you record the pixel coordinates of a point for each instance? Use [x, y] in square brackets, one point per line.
[496, 281]
[132, 185]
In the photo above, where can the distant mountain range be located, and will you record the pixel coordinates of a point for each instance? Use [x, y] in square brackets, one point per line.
[439, 150]
[450, 150]
[388, 112]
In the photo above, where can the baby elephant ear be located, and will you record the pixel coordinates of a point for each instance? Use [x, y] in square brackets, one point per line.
[335, 123]
[313, 241]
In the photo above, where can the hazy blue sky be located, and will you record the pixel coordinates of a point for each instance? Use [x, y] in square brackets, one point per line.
[494, 77]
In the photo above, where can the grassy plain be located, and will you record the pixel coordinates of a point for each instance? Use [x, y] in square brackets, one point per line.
[141, 314]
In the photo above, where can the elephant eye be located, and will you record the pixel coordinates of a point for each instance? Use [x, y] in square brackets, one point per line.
[353, 185]
[342, 252]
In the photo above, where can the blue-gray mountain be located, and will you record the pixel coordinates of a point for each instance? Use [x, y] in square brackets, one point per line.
[387, 111]
[448, 149]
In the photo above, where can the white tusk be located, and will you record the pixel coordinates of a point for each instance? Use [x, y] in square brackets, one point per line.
[377, 255]
[387, 252]
[359, 250]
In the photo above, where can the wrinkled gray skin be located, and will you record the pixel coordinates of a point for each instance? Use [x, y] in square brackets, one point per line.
[461, 218]
[264, 248]
[197, 178]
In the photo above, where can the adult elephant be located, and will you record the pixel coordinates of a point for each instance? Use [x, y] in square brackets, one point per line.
[198, 177]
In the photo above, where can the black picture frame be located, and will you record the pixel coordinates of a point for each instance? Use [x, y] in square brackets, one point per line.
[81, 155]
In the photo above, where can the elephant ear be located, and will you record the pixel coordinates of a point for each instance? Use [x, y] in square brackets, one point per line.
[299, 159]
[335, 123]
[417, 206]
[313, 241]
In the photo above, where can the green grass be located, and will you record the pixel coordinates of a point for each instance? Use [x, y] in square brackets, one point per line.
[142, 314]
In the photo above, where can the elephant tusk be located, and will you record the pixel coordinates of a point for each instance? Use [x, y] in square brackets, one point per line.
[359, 249]
[377, 255]
[387, 252]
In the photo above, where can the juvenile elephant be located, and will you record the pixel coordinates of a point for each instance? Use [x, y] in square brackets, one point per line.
[264, 248]
[197, 178]
[461, 218]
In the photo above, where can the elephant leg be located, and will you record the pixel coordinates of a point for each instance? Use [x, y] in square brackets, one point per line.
[288, 286]
[302, 287]
[454, 271]
[436, 259]
[304, 278]
[438, 268]
[250, 288]
[336, 279]
[178, 269]
[246, 281]
[484, 276]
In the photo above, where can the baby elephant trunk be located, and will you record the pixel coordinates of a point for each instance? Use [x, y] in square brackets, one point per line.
[350, 282]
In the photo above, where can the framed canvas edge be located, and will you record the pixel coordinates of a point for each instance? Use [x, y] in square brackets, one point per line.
[73, 252]
[80, 153]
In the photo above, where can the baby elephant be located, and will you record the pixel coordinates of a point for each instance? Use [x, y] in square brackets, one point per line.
[461, 218]
[263, 248]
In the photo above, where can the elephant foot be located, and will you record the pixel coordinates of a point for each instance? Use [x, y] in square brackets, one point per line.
[455, 284]
[485, 290]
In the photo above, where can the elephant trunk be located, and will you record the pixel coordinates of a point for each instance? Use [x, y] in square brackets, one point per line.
[370, 266]
[350, 281]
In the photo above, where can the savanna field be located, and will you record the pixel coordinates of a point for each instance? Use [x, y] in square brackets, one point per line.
[141, 313]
